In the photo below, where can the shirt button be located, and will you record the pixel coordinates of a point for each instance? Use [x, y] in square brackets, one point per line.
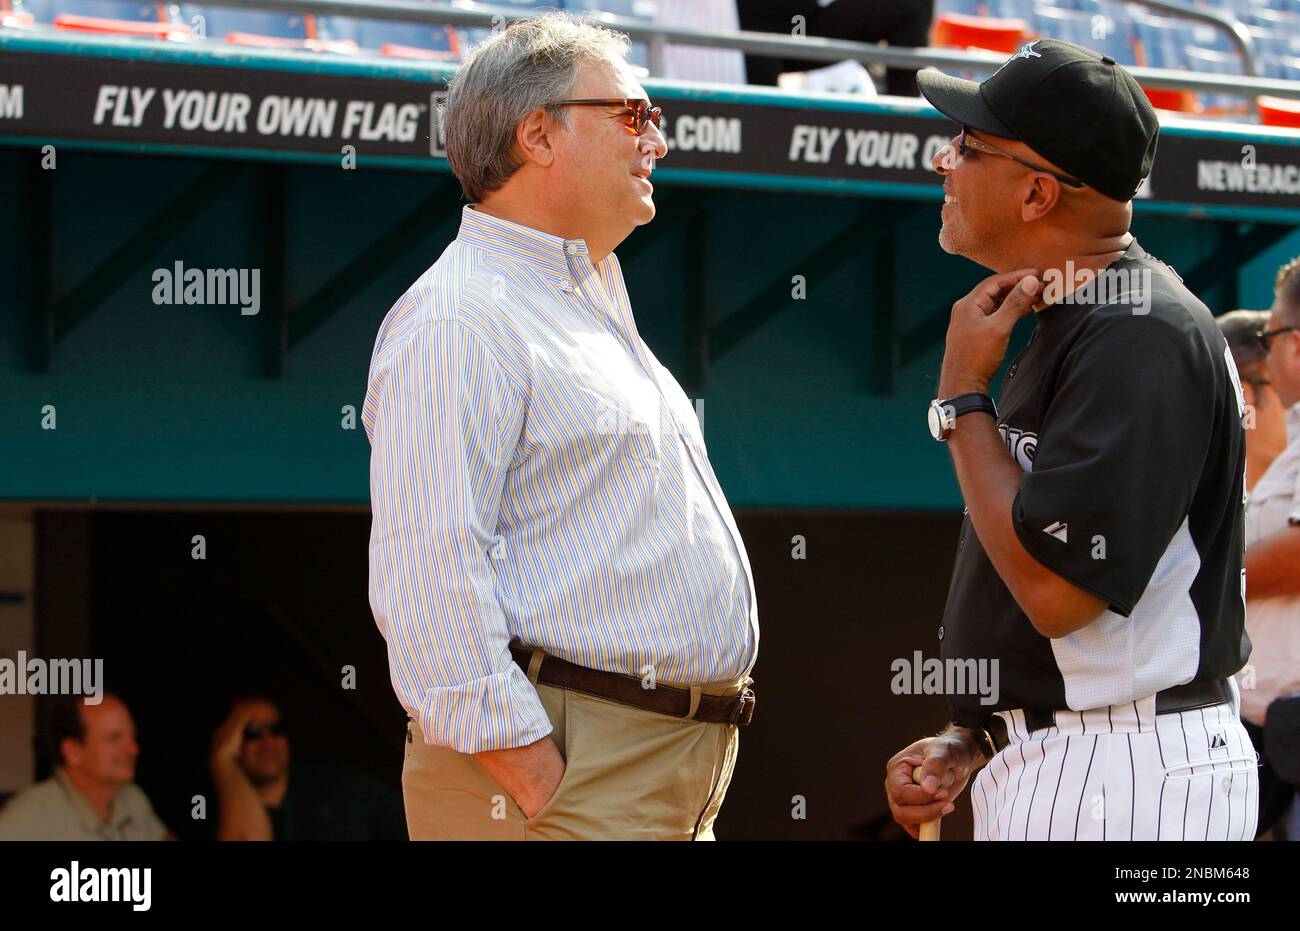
[571, 248]
[1012, 371]
[566, 285]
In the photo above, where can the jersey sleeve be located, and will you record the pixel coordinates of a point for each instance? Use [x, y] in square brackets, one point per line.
[1120, 453]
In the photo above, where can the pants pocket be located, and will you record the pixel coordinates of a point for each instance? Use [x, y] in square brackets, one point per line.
[559, 722]
[1219, 798]
[632, 774]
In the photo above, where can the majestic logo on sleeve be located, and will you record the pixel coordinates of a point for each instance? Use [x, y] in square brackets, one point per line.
[1021, 444]
[1059, 529]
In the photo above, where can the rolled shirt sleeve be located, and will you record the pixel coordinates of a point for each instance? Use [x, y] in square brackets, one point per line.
[446, 426]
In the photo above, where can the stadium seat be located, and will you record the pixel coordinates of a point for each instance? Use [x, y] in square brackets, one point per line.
[1215, 62]
[1096, 28]
[45, 11]
[396, 39]
[469, 37]
[643, 10]
[115, 17]
[1288, 68]
[13, 18]
[955, 30]
[1279, 111]
[1266, 18]
[1274, 43]
[261, 29]
[965, 7]
[1162, 42]
[1015, 9]
[1239, 9]
[629, 9]
[1167, 98]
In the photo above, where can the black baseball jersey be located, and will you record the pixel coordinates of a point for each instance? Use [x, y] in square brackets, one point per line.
[1125, 413]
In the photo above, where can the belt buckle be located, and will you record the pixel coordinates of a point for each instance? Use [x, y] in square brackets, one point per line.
[743, 711]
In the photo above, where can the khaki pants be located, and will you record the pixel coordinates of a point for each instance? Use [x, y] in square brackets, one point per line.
[629, 774]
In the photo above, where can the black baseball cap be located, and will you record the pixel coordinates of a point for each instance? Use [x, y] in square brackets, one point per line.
[1071, 105]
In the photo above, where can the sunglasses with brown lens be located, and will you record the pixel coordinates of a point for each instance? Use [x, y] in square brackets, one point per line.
[638, 113]
[967, 142]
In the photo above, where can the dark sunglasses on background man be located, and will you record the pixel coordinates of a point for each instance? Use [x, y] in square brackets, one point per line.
[254, 731]
[638, 113]
[1265, 337]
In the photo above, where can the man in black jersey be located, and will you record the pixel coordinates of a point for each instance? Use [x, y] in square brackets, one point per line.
[1099, 569]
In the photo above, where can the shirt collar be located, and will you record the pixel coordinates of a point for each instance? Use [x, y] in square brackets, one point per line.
[1066, 307]
[549, 254]
[86, 814]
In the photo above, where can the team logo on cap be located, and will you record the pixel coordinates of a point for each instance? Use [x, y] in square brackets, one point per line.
[1026, 51]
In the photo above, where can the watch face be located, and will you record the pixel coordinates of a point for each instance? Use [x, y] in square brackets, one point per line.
[936, 420]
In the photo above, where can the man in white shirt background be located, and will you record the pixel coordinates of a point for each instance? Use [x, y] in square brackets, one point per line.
[1273, 553]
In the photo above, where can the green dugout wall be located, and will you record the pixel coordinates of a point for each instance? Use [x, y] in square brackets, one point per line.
[808, 401]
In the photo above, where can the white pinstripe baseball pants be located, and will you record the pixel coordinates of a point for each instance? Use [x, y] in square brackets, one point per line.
[1122, 773]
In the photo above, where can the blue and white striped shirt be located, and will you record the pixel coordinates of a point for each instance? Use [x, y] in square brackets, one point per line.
[537, 475]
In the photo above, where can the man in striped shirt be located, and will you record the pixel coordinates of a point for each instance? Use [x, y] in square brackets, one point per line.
[566, 599]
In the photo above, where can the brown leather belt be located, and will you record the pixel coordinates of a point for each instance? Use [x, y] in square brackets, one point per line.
[627, 690]
[993, 738]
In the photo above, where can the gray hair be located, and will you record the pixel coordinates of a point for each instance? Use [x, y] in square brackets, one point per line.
[510, 74]
[1287, 287]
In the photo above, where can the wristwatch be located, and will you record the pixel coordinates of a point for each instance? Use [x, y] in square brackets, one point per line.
[944, 414]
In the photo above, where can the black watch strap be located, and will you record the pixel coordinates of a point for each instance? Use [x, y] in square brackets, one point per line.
[969, 404]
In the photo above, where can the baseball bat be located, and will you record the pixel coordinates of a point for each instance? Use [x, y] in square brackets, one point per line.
[930, 829]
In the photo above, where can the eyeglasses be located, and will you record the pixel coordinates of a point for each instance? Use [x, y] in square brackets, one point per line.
[639, 113]
[1265, 337]
[967, 141]
[254, 731]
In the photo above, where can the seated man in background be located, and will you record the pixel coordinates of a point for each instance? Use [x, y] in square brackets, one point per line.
[257, 799]
[92, 794]
[1266, 424]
